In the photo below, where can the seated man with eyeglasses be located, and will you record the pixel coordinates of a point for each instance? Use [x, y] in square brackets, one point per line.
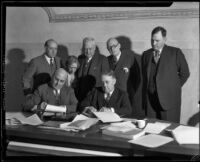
[53, 93]
[106, 98]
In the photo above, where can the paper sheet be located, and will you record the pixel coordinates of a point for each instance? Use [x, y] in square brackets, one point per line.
[186, 135]
[152, 140]
[52, 108]
[31, 120]
[156, 127]
[107, 116]
[120, 127]
[80, 117]
[17, 115]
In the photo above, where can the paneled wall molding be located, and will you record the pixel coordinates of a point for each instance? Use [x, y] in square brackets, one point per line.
[121, 15]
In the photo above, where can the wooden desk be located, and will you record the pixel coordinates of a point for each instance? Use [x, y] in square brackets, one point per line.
[30, 139]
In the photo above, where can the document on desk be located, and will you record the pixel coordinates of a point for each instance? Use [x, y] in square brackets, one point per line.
[106, 117]
[152, 140]
[53, 108]
[32, 120]
[17, 115]
[156, 127]
[186, 135]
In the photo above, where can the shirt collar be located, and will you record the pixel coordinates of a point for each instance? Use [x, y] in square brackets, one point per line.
[118, 56]
[48, 59]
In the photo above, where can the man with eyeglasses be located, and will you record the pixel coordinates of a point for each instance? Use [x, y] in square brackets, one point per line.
[122, 62]
[92, 64]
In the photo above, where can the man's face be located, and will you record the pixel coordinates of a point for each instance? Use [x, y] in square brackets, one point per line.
[58, 80]
[158, 41]
[108, 83]
[51, 49]
[114, 47]
[72, 68]
[89, 49]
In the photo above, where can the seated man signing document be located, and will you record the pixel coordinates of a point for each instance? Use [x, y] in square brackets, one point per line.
[106, 98]
[55, 96]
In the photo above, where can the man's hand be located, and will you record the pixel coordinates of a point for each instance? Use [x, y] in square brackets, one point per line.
[105, 109]
[88, 111]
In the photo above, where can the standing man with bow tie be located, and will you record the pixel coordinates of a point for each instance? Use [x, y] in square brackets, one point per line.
[41, 68]
[165, 71]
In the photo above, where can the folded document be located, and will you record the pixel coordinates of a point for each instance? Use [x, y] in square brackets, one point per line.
[186, 135]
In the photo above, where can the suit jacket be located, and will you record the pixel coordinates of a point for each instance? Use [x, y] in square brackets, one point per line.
[125, 61]
[86, 83]
[172, 73]
[118, 100]
[44, 93]
[38, 73]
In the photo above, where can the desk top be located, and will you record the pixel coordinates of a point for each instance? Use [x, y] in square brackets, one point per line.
[93, 139]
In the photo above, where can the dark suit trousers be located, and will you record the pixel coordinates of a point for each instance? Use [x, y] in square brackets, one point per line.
[155, 110]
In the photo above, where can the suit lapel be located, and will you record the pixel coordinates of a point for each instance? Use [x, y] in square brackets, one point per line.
[120, 62]
[113, 97]
[81, 68]
[149, 64]
[163, 59]
[93, 64]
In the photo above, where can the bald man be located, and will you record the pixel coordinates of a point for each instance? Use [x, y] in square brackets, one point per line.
[41, 68]
[53, 93]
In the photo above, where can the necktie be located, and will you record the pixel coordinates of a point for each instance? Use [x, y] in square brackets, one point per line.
[51, 62]
[107, 97]
[57, 96]
[156, 56]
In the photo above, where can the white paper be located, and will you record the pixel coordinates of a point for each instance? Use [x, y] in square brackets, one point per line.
[80, 117]
[53, 108]
[152, 140]
[186, 135]
[120, 127]
[32, 120]
[17, 115]
[107, 116]
[79, 124]
[156, 127]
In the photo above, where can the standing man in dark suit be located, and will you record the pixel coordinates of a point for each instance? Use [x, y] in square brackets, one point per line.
[165, 71]
[107, 98]
[121, 62]
[41, 68]
[92, 64]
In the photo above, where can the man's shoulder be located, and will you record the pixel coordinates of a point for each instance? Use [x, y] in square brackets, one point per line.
[171, 48]
[38, 59]
[43, 87]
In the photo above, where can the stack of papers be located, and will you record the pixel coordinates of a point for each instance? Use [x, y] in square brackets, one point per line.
[152, 140]
[106, 117]
[123, 129]
[80, 122]
[31, 120]
[186, 135]
[156, 128]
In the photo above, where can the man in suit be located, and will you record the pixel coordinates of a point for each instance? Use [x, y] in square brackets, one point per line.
[165, 71]
[41, 68]
[92, 64]
[107, 98]
[122, 63]
[53, 93]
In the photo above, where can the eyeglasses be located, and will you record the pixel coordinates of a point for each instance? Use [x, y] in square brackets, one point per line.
[113, 46]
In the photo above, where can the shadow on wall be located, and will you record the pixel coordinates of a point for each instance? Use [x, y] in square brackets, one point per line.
[194, 120]
[13, 76]
[63, 54]
[126, 45]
